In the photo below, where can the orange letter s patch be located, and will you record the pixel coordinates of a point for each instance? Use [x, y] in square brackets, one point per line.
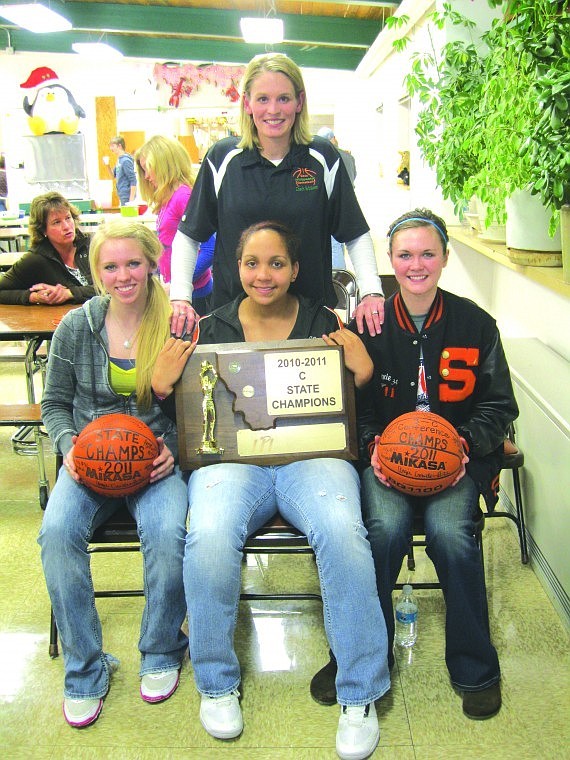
[468, 357]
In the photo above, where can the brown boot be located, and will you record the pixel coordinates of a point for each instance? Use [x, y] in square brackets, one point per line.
[483, 704]
[323, 687]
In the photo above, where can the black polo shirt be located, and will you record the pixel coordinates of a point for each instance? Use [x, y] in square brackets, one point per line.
[310, 191]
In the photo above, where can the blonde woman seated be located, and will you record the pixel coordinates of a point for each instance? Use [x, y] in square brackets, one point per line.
[100, 362]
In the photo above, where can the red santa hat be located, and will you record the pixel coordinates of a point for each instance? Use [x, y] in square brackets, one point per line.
[39, 76]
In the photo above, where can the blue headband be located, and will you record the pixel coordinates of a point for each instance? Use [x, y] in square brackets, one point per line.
[420, 219]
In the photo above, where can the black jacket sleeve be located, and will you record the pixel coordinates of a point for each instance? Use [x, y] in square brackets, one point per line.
[495, 406]
[168, 406]
[15, 284]
[367, 424]
[81, 293]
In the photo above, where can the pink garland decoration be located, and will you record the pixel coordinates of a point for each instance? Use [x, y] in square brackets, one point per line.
[184, 80]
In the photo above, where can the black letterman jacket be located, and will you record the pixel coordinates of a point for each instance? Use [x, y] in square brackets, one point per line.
[467, 377]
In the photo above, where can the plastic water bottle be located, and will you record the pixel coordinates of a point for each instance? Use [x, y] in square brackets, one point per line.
[406, 618]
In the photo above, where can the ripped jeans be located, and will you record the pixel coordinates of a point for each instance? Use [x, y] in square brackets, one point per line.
[320, 497]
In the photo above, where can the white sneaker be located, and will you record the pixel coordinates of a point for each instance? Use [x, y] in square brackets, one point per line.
[81, 712]
[221, 716]
[358, 733]
[156, 687]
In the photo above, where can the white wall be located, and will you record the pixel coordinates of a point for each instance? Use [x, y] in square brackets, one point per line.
[522, 307]
[541, 379]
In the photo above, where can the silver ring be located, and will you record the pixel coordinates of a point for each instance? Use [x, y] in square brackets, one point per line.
[374, 312]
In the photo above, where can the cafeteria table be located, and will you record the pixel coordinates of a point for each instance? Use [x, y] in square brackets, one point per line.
[13, 239]
[34, 325]
[7, 260]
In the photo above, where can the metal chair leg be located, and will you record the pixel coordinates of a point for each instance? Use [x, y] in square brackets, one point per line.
[520, 517]
[53, 648]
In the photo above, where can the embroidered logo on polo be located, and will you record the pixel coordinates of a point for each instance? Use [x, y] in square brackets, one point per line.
[305, 179]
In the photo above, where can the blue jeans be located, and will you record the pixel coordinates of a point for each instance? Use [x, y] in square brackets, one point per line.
[319, 497]
[72, 514]
[449, 521]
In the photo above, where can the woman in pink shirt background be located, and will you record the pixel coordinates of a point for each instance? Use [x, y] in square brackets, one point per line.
[165, 179]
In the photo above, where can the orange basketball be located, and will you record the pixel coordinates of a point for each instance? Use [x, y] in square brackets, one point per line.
[420, 453]
[114, 454]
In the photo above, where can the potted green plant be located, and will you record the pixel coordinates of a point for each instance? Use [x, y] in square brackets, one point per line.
[496, 109]
[549, 146]
[448, 82]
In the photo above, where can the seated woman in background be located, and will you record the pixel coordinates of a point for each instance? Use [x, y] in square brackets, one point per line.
[165, 179]
[320, 497]
[56, 268]
[100, 363]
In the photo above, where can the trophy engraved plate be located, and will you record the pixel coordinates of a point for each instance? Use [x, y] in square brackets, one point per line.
[327, 436]
[265, 403]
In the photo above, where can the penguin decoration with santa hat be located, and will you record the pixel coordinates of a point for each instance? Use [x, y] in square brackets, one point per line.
[52, 108]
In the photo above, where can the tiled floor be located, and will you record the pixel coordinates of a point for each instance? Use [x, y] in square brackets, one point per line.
[280, 646]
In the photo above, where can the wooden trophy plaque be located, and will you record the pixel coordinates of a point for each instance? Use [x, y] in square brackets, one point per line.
[265, 404]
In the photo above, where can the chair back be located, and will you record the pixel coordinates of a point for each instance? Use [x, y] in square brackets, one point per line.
[346, 290]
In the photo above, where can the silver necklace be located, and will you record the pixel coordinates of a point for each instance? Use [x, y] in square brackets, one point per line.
[128, 342]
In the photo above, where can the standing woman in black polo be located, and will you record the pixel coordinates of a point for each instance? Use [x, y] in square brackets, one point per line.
[56, 268]
[276, 171]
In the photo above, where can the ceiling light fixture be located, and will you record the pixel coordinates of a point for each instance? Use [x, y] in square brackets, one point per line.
[35, 17]
[268, 31]
[100, 50]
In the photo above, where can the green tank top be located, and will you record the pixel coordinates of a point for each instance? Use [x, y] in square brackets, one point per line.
[123, 376]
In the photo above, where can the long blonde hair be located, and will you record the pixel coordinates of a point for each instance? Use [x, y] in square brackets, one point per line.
[280, 64]
[170, 163]
[154, 330]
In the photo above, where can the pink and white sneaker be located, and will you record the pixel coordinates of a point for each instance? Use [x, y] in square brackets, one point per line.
[81, 712]
[156, 687]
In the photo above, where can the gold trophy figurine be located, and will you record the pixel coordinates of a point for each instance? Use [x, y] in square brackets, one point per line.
[208, 380]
